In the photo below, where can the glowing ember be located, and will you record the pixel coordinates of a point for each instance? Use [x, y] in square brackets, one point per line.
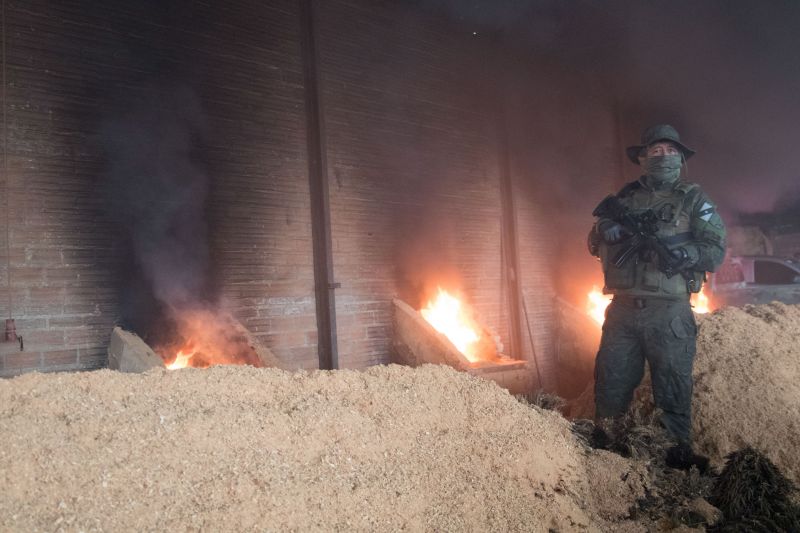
[447, 316]
[596, 305]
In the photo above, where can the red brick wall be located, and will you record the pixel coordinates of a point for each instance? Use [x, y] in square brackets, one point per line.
[414, 179]
[62, 250]
[261, 221]
[413, 162]
[71, 69]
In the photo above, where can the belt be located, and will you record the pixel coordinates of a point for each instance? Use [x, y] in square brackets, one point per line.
[642, 302]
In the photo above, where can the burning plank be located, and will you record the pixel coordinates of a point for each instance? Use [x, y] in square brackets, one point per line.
[449, 317]
[127, 352]
[208, 341]
[418, 342]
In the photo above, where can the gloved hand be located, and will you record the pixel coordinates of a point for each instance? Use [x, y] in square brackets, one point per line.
[613, 233]
[681, 259]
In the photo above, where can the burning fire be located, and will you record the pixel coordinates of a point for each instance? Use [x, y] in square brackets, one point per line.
[210, 337]
[181, 360]
[597, 303]
[446, 315]
[701, 303]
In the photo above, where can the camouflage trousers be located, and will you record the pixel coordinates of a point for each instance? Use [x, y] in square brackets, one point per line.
[662, 332]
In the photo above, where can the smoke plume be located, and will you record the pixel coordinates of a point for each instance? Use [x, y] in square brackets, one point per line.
[156, 188]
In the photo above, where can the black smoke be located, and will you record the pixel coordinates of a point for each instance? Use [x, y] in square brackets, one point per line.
[156, 190]
[726, 73]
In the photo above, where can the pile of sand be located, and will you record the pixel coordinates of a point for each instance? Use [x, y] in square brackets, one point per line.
[240, 448]
[747, 384]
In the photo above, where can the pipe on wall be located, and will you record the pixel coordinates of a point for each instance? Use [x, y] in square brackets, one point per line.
[324, 283]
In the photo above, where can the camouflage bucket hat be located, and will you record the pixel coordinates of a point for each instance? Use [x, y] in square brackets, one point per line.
[654, 134]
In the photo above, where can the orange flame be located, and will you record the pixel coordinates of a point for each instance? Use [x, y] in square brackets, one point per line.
[446, 315]
[701, 303]
[210, 337]
[596, 304]
[182, 360]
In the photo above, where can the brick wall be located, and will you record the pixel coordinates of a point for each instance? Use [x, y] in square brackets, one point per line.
[260, 216]
[413, 161]
[72, 70]
[565, 158]
[414, 187]
[62, 251]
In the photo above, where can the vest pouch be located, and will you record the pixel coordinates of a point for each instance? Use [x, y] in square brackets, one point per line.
[676, 285]
[617, 278]
[652, 277]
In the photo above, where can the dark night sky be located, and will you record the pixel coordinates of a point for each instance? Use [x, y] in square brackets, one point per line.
[726, 73]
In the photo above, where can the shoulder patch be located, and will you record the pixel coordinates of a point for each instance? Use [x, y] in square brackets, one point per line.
[706, 211]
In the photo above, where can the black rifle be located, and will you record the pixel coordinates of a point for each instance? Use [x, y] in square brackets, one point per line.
[642, 228]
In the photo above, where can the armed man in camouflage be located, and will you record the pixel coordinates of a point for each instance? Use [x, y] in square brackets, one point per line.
[652, 273]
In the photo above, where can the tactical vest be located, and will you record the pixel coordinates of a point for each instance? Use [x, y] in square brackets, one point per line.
[640, 275]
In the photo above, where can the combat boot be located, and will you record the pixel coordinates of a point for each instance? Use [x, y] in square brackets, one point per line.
[681, 457]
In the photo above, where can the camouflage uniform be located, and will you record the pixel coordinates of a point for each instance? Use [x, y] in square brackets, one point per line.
[650, 317]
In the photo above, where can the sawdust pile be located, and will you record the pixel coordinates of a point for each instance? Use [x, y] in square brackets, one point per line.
[747, 384]
[239, 448]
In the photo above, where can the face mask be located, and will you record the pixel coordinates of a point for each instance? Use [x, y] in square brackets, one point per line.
[662, 169]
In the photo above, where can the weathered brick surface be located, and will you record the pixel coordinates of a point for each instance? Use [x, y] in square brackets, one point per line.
[260, 214]
[565, 157]
[413, 165]
[414, 185]
[69, 67]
